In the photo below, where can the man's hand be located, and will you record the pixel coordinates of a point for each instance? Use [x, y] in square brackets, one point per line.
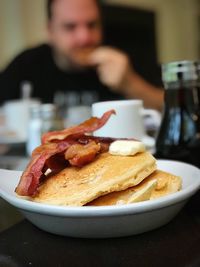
[115, 71]
[113, 67]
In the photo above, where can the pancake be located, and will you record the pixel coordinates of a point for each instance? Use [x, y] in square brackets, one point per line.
[107, 173]
[158, 184]
[167, 183]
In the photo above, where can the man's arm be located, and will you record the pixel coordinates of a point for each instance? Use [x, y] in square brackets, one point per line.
[137, 87]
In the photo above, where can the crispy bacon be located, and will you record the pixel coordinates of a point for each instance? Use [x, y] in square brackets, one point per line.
[30, 178]
[44, 155]
[56, 163]
[79, 155]
[86, 127]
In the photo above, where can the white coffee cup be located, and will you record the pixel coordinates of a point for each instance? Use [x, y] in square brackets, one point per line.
[77, 114]
[17, 114]
[128, 121]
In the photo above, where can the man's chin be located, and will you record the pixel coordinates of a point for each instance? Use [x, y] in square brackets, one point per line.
[77, 60]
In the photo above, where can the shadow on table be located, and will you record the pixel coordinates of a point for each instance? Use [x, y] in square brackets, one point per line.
[9, 215]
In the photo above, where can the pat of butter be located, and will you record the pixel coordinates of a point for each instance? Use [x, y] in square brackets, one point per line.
[126, 147]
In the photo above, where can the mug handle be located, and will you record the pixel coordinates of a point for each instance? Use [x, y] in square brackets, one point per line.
[155, 116]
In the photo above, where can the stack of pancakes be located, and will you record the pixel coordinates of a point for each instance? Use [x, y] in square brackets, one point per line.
[108, 180]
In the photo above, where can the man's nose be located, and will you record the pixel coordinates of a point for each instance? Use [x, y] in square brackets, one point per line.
[84, 36]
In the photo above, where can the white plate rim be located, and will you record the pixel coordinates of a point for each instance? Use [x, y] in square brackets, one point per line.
[89, 211]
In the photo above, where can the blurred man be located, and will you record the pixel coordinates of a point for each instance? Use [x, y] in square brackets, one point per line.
[74, 60]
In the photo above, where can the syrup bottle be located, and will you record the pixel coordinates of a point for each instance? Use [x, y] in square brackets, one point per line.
[179, 134]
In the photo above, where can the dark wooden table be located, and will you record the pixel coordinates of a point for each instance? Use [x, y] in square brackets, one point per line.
[175, 244]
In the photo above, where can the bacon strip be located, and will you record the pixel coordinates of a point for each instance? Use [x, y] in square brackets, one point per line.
[30, 178]
[41, 156]
[86, 127]
[79, 155]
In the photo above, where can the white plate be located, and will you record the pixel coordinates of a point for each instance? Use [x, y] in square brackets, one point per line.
[110, 221]
[7, 138]
[12, 140]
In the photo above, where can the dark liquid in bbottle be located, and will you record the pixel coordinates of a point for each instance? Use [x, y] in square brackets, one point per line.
[179, 135]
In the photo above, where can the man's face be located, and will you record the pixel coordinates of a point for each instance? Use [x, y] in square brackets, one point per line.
[75, 28]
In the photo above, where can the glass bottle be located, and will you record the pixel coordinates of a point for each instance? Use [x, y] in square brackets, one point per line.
[51, 121]
[179, 134]
[34, 129]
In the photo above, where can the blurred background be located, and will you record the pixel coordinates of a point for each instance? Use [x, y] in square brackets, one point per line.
[172, 26]
[150, 31]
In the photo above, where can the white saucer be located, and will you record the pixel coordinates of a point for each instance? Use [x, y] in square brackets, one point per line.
[8, 137]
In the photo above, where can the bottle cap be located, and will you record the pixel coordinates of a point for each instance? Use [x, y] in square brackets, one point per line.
[35, 110]
[48, 111]
[26, 89]
[180, 71]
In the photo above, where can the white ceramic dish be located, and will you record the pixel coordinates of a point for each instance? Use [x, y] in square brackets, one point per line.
[110, 221]
[7, 138]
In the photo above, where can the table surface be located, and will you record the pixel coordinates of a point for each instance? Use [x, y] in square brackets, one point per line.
[175, 244]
